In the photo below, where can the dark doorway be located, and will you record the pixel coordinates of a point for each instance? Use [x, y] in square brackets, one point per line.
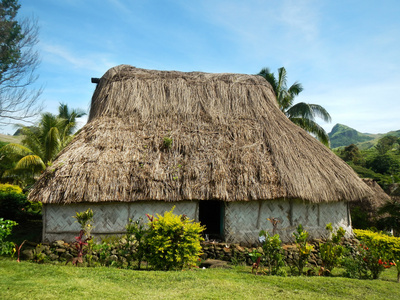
[211, 214]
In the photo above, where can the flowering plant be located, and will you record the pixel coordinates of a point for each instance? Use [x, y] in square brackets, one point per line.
[374, 260]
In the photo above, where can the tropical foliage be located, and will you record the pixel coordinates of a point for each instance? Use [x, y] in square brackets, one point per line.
[173, 241]
[40, 145]
[381, 162]
[390, 219]
[302, 114]
[5, 230]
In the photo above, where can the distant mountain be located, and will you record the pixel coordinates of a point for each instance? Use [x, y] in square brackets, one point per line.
[342, 135]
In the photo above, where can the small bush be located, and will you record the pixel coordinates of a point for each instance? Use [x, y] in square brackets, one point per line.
[332, 251]
[273, 253]
[136, 232]
[374, 260]
[85, 219]
[167, 143]
[303, 248]
[353, 265]
[8, 188]
[13, 205]
[372, 256]
[6, 248]
[173, 241]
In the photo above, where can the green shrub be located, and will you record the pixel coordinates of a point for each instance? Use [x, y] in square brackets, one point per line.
[167, 142]
[6, 226]
[388, 244]
[254, 255]
[173, 241]
[6, 187]
[273, 253]
[304, 249]
[376, 252]
[332, 251]
[13, 205]
[136, 232]
[371, 259]
[353, 266]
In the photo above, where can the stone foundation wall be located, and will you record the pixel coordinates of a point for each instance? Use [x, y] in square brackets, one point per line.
[60, 251]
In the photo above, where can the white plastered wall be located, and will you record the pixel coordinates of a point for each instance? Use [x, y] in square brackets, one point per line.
[109, 218]
[244, 220]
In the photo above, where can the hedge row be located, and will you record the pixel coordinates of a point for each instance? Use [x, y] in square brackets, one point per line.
[389, 244]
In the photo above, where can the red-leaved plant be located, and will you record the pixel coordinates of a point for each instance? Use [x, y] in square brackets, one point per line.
[80, 244]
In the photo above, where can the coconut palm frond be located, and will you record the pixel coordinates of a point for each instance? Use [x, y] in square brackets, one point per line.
[265, 72]
[69, 117]
[52, 144]
[15, 149]
[312, 127]
[295, 89]
[285, 99]
[32, 140]
[30, 162]
[300, 110]
[320, 112]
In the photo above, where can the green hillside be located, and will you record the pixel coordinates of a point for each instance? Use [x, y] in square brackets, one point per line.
[10, 138]
[342, 135]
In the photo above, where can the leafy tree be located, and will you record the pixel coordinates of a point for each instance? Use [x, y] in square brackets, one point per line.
[386, 143]
[18, 63]
[391, 216]
[352, 153]
[301, 114]
[384, 164]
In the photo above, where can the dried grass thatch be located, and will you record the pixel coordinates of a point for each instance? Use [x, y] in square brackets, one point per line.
[157, 135]
[379, 198]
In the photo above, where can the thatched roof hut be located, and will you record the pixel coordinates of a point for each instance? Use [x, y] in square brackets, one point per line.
[379, 197]
[177, 137]
[365, 212]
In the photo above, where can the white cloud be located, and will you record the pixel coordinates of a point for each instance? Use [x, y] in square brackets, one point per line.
[96, 62]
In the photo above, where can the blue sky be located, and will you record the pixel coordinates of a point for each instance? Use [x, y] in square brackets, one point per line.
[345, 53]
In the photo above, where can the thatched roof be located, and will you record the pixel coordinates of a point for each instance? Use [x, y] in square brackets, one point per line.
[229, 142]
[378, 199]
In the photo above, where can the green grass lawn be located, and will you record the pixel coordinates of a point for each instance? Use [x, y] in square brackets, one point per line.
[27, 280]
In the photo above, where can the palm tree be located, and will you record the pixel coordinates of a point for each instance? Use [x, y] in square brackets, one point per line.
[69, 117]
[301, 114]
[41, 144]
[24, 164]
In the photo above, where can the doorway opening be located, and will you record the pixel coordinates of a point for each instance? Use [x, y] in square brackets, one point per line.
[211, 214]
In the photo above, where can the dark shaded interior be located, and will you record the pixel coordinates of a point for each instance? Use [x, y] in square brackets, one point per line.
[211, 214]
